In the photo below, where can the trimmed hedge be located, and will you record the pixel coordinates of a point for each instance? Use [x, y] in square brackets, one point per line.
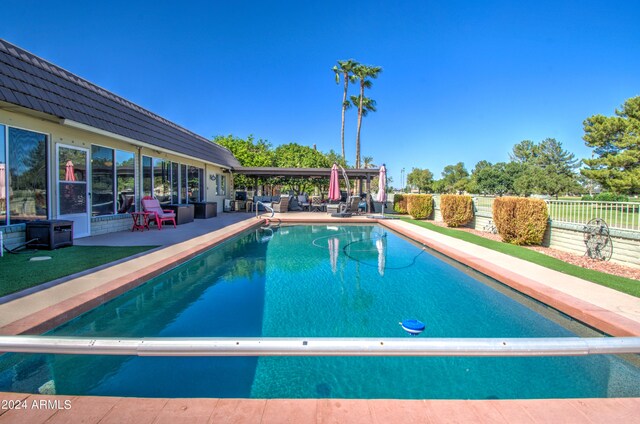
[420, 206]
[606, 197]
[456, 209]
[400, 203]
[520, 220]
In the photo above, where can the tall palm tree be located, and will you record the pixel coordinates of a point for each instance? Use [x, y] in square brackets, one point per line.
[364, 73]
[345, 68]
[367, 162]
[364, 105]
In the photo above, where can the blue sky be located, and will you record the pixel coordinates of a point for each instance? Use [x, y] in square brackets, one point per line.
[462, 80]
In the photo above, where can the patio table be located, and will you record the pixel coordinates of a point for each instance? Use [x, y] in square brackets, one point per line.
[140, 221]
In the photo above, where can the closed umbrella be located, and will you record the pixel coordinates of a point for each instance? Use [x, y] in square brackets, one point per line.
[334, 184]
[382, 187]
[69, 174]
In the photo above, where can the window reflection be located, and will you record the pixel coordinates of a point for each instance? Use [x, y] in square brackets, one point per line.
[102, 180]
[195, 183]
[27, 176]
[125, 174]
[147, 176]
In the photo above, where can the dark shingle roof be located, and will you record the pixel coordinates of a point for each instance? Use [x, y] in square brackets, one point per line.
[29, 81]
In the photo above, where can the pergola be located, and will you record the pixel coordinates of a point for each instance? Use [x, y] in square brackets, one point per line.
[272, 172]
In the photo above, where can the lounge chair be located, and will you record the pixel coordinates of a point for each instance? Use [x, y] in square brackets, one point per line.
[282, 205]
[156, 213]
[303, 201]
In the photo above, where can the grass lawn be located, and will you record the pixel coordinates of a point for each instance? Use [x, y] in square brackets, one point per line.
[625, 285]
[18, 273]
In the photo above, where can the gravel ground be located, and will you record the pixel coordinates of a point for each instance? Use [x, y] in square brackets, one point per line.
[578, 260]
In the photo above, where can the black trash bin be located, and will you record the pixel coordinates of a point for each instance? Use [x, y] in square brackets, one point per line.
[50, 234]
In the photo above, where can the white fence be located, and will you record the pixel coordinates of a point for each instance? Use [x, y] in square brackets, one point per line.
[617, 215]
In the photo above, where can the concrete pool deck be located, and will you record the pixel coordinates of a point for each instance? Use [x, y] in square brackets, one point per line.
[614, 312]
[107, 410]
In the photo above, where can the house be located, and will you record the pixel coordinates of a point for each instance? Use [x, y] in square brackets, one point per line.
[72, 150]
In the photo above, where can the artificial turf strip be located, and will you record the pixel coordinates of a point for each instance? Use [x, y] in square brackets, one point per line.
[18, 273]
[625, 285]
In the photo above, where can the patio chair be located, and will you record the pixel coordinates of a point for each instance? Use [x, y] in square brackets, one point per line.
[303, 201]
[156, 213]
[354, 201]
[282, 205]
[316, 204]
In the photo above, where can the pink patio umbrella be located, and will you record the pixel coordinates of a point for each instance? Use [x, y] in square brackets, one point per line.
[334, 184]
[69, 174]
[382, 187]
[334, 246]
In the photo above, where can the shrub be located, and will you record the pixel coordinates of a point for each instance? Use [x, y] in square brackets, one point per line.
[420, 206]
[520, 220]
[587, 198]
[456, 209]
[611, 197]
[400, 203]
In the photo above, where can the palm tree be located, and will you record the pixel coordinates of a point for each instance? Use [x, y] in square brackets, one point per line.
[345, 67]
[365, 105]
[367, 162]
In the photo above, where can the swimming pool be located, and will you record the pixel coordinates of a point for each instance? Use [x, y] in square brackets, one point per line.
[321, 281]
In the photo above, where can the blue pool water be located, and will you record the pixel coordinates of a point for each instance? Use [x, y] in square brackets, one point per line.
[321, 281]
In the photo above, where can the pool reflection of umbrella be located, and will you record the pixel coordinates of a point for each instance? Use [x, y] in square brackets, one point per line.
[381, 256]
[334, 246]
[69, 174]
[382, 187]
[334, 184]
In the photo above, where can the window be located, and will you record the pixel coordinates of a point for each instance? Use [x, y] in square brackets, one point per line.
[147, 176]
[175, 183]
[113, 181]
[183, 183]
[161, 181]
[221, 185]
[125, 184]
[3, 176]
[27, 185]
[196, 183]
[102, 182]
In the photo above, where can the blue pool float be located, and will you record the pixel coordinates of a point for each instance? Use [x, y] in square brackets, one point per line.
[412, 326]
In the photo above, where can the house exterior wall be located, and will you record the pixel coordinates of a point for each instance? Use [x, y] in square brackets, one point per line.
[65, 135]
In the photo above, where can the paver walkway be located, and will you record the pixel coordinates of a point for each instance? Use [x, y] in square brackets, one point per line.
[107, 410]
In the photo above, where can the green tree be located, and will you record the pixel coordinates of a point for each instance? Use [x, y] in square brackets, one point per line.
[616, 142]
[422, 179]
[456, 178]
[293, 155]
[550, 169]
[344, 69]
[364, 74]
[524, 152]
[249, 152]
[334, 157]
[438, 186]
[368, 162]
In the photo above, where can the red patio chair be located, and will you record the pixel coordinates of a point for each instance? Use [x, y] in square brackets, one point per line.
[156, 213]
